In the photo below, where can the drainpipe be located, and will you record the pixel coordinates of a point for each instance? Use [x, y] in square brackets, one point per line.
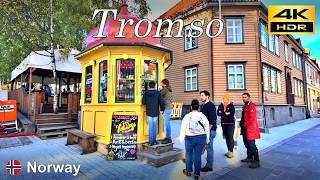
[265, 128]
[304, 58]
[211, 79]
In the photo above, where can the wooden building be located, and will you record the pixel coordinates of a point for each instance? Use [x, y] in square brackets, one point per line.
[313, 84]
[243, 58]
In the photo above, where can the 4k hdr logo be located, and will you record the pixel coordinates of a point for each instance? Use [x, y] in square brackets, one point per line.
[291, 19]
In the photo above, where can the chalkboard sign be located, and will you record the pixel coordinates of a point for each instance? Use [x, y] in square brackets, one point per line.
[124, 137]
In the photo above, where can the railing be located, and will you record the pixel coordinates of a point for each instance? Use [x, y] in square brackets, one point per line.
[28, 104]
[73, 105]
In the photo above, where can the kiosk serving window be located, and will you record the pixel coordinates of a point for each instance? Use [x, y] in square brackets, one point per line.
[150, 74]
[125, 80]
[88, 89]
[103, 81]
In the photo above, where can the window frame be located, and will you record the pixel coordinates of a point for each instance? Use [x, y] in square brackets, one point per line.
[85, 82]
[272, 43]
[186, 28]
[286, 51]
[266, 87]
[226, 29]
[104, 61]
[235, 64]
[277, 45]
[190, 68]
[273, 88]
[263, 24]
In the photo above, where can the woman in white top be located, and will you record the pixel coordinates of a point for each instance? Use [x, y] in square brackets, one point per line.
[195, 131]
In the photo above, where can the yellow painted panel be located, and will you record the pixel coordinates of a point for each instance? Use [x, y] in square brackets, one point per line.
[88, 121]
[101, 123]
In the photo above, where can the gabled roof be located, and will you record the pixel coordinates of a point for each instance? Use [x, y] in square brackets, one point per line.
[181, 7]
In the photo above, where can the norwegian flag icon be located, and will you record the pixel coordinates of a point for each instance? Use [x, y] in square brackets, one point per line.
[13, 167]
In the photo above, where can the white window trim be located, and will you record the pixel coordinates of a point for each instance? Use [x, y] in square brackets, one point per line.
[186, 77]
[191, 38]
[236, 74]
[264, 35]
[234, 30]
[286, 51]
[266, 86]
[272, 38]
[276, 45]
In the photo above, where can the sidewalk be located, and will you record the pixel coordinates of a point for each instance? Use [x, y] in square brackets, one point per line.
[95, 165]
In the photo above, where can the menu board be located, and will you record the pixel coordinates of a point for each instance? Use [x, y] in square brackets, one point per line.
[124, 137]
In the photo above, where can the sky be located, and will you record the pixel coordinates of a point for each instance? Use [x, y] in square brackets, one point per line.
[158, 7]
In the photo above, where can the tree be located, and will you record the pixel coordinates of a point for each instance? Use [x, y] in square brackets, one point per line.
[25, 26]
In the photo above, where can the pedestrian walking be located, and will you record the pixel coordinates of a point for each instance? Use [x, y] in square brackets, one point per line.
[195, 131]
[250, 131]
[153, 101]
[166, 93]
[209, 110]
[226, 111]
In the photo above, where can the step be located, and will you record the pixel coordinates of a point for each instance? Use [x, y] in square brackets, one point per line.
[50, 115]
[162, 159]
[56, 128]
[157, 149]
[59, 134]
[55, 124]
[53, 120]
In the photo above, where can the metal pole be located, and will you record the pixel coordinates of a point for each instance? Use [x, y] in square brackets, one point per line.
[55, 97]
[219, 9]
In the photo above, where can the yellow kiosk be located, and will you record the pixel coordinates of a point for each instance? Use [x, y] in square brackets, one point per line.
[115, 72]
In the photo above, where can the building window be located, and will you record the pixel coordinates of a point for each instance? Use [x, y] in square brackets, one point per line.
[286, 52]
[103, 81]
[191, 79]
[88, 85]
[276, 45]
[234, 27]
[273, 77]
[298, 88]
[189, 41]
[272, 114]
[263, 34]
[294, 58]
[125, 80]
[266, 78]
[235, 76]
[279, 82]
[271, 42]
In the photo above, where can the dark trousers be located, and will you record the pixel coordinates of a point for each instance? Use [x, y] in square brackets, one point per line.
[252, 150]
[228, 131]
[194, 147]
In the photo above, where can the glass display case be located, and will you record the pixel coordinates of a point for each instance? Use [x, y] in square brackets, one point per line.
[88, 85]
[125, 81]
[103, 81]
[150, 74]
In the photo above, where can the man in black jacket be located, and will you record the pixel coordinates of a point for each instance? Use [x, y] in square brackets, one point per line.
[209, 110]
[153, 101]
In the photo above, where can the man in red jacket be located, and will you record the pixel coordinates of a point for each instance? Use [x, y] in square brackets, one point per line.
[250, 131]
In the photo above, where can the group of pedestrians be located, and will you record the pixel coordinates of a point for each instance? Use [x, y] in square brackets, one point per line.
[198, 130]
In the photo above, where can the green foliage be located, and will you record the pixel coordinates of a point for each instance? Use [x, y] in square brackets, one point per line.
[25, 26]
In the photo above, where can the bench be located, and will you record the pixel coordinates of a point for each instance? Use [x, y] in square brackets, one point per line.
[86, 140]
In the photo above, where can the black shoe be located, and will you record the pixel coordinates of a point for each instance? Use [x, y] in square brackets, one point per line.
[254, 164]
[167, 141]
[206, 169]
[150, 144]
[196, 177]
[185, 172]
[246, 160]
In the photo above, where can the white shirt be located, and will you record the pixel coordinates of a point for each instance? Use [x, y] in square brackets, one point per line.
[191, 127]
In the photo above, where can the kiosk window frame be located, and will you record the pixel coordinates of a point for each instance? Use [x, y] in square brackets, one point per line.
[145, 80]
[85, 85]
[128, 72]
[102, 74]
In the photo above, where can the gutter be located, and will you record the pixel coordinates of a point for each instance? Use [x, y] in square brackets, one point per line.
[211, 79]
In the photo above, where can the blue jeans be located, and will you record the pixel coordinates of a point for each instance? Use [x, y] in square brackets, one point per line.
[194, 146]
[152, 129]
[166, 116]
[210, 152]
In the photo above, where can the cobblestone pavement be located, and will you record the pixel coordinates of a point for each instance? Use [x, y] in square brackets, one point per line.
[296, 158]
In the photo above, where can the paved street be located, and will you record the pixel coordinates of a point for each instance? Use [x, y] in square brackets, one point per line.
[282, 158]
